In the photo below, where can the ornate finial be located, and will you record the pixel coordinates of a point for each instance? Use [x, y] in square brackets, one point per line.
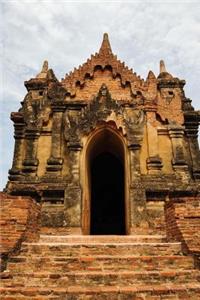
[162, 67]
[105, 36]
[45, 66]
[44, 70]
[105, 46]
[163, 72]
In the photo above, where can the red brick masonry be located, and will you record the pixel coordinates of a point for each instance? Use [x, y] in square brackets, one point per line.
[19, 221]
[183, 222]
[99, 267]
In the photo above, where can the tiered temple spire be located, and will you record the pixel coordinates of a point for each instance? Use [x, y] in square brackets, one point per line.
[105, 46]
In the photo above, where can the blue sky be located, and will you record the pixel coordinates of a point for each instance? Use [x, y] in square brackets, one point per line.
[66, 33]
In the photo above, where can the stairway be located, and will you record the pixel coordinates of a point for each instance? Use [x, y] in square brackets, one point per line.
[101, 267]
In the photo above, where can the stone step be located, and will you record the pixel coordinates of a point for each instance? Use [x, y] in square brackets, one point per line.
[78, 249]
[188, 291]
[97, 239]
[99, 263]
[101, 267]
[41, 279]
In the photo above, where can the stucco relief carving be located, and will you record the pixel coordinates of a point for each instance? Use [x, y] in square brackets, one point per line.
[56, 92]
[134, 121]
[135, 118]
[71, 132]
[36, 111]
[81, 123]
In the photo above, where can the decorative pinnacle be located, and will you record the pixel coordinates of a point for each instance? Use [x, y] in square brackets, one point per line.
[44, 70]
[151, 75]
[45, 66]
[162, 67]
[105, 46]
[163, 72]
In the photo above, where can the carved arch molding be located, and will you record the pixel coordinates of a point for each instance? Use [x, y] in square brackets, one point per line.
[80, 118]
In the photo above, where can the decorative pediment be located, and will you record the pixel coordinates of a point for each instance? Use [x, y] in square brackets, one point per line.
[104, 59]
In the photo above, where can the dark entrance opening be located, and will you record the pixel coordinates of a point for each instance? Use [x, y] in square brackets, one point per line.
[107, 195]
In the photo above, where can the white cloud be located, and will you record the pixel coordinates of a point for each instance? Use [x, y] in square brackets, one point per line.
[66, 33]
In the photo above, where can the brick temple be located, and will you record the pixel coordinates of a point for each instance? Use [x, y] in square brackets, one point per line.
[103, 196]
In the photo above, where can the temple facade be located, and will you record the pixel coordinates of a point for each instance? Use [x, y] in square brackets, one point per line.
[104, 151]
[103, 196]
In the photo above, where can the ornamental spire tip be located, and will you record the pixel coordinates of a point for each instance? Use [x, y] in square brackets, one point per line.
[105, 46]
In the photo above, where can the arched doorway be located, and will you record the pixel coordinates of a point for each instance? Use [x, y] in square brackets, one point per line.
[105, 206]
[107, 195]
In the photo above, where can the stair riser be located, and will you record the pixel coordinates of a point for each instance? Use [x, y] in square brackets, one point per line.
[154, 295]
[88, 263]
[100, 280]
[78, 250]
[100, 239]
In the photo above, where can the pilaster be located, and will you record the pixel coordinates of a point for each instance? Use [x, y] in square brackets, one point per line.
[19, 125]
[73, 192]
[138, 218]
[134, 159]
[176, 134]
[30, 163]
[137, 196]
[192, 135]
[55, 161]
[154, 162]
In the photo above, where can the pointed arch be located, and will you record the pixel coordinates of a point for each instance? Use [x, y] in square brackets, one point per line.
[104, 141]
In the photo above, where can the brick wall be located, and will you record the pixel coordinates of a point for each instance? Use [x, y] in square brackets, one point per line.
[20, 220]
[183, 222]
